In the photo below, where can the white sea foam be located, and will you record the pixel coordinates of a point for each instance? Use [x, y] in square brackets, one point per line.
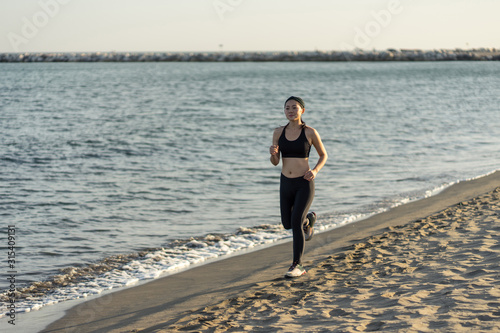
[159, 263]
[166, 261]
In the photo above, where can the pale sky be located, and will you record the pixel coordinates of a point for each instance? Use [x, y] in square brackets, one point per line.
[246, 25]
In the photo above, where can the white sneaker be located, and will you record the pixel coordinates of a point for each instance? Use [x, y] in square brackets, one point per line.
[295, 270]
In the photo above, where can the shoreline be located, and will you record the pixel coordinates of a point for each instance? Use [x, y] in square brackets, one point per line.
[165, 301]
[481, 54]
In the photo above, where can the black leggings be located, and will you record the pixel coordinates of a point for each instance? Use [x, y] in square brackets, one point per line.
[296, 196]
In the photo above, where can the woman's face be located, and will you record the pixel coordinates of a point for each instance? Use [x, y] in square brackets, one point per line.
[293, 110]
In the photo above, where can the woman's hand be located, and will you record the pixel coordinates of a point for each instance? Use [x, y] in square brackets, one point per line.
[274, 149]
[310, 175]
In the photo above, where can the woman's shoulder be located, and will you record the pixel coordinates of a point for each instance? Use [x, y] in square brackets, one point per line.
[278, 130]
[311, 133]
[277, 133]
[310, 130]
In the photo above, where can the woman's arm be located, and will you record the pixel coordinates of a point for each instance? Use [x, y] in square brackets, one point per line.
[323, 156]
[274, 149]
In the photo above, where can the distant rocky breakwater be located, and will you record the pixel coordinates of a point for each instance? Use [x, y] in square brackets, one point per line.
[359, 55]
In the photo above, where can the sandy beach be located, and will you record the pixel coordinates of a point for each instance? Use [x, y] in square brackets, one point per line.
[427, 266]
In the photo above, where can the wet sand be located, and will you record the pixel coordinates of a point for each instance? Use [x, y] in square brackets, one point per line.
[427, 266]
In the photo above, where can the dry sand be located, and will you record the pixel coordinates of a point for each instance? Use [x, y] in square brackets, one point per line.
[429, 266]
[439, 273]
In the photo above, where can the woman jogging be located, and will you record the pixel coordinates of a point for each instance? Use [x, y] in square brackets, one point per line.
[294, 142]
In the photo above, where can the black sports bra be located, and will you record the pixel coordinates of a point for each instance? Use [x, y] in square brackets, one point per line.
[299, 148]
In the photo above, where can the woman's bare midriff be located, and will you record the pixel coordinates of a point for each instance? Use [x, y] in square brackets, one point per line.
[295, 167]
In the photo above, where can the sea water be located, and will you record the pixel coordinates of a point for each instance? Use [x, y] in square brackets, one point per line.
[112, 174]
